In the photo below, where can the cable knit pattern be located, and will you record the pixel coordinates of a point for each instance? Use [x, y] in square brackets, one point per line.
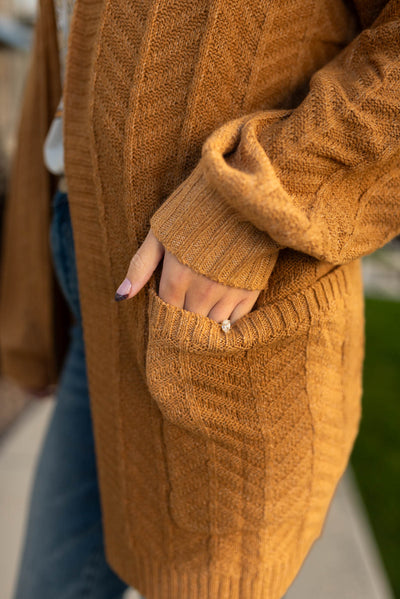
[322, 179]
[260, 142]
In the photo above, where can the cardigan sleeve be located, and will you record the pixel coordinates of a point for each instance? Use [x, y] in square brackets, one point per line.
[322, 178]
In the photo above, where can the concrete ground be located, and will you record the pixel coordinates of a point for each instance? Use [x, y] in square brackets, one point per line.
[343, 564]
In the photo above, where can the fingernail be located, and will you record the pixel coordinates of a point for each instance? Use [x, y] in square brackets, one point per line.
[123, 290]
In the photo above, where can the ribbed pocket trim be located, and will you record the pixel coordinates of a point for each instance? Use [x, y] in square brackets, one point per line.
[260, 326]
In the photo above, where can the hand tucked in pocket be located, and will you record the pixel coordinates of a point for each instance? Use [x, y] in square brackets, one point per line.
[183, 287]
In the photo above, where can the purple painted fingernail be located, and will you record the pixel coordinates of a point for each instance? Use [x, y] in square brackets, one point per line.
[123, 290]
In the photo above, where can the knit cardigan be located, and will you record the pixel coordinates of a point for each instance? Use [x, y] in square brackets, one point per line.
[260, 142]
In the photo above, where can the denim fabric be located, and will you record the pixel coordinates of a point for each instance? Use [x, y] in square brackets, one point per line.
[63, 553]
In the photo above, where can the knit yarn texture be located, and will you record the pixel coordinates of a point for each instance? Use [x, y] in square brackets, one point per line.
[260, 142]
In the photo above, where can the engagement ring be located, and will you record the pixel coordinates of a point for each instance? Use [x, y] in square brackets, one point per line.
[226, 325]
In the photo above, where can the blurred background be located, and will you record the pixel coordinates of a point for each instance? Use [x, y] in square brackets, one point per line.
[358, 555]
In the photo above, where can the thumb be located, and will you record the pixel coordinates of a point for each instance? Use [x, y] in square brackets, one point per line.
[141, 267]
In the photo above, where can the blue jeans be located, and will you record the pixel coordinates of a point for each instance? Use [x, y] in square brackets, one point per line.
[63, 553]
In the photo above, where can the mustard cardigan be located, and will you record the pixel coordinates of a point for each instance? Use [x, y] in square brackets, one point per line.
[260, 141]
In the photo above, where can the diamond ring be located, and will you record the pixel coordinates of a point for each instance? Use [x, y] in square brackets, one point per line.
[226, 325]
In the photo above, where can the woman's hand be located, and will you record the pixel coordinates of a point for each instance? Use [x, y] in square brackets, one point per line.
[183, 287]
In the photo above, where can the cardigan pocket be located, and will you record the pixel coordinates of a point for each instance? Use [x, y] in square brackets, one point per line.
[238, 428]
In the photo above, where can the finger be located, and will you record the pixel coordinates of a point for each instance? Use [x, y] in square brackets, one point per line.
[242, 308]
[141, 267]
[202, 295]
[174, 281]
[222, 310]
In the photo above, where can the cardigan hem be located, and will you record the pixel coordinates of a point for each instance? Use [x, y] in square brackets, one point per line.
[156, 580]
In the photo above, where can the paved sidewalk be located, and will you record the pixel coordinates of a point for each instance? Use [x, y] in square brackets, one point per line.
[343, 564]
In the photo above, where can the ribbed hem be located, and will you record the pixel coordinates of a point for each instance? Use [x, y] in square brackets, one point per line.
[156, 580]
[260, 326]
[196, 225]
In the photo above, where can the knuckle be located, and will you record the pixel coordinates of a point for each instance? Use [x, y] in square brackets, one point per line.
[137, 262]
[209, 284]
[203, 295]
[169, 289]
[208, 287]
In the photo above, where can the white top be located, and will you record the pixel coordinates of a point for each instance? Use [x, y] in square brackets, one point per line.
[53, 149]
